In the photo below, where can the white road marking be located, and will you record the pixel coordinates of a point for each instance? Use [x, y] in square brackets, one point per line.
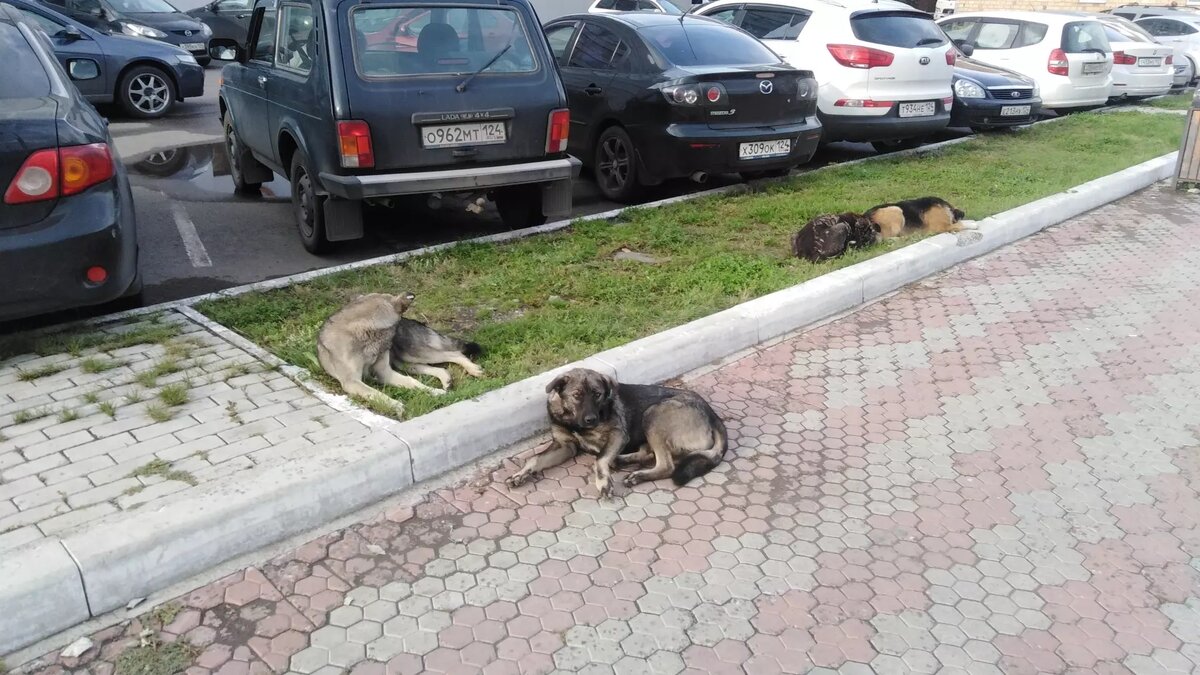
[191, 239]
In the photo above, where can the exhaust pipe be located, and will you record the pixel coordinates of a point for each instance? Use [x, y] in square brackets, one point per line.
[435, 201]
[700, 177]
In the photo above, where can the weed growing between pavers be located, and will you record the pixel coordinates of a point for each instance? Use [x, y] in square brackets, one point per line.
[152, 656]
[149, 331]
[68, 415]
[174, 394]
[39, 373]
[108, 408]
[541, 302]
[162, 468]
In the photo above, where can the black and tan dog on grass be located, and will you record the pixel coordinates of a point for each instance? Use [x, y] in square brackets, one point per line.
[928, 215]
[674, 431]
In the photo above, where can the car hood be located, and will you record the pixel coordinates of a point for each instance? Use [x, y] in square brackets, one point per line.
[988, 75]
[120, 44]
[165, 20]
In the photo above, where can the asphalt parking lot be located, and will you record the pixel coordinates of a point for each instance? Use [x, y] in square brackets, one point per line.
[197, 236]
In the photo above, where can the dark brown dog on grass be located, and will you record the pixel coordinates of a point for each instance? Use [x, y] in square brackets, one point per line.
[629, 424]
[829, 236]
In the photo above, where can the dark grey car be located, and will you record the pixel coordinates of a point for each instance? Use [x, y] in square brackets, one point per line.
[154, 19]
[229, 20]
[357, 101]
[145, 77]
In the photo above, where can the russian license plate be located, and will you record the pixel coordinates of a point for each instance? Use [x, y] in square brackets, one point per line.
[1015, 110]
[924, 109]
[1150, 62]
[1093, 68]
[193, 46]
[765, 149]
[453, 135]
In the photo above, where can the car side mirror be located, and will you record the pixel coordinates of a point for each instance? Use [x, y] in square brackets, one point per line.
[225, 53]
[70, 34]
[214, 7]
[965, 47]
[83, 69]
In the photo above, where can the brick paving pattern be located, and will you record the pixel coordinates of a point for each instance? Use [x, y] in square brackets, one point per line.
[68, 459]
[992, 471]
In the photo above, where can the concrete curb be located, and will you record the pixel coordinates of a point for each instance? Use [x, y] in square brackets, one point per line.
[58, 583]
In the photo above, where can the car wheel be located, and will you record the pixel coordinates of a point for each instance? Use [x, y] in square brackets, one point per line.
[896, 145]
[1191, 72]
[616, 166]
[238, 156]
[772, 173]
[520, 206]
[308, 206]
[146, 92]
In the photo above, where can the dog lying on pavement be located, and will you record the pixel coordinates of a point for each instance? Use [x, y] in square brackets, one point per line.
[674, 431]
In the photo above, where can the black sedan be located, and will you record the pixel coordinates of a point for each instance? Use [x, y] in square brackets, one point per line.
[988, 97]
[655, 97]
[229, 21]
[67, 232]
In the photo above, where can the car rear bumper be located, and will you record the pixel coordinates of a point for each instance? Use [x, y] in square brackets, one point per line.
[986, 113]
[189, 80]
[42, 266]
[883, 127]
[1060, 92]
[688, 148]
[450, 180]
[1133, 83]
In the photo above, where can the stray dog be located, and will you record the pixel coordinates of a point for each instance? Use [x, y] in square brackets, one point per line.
[931, 215]
[829, 236]
[416, 347]
[356, 341]
[630, 424]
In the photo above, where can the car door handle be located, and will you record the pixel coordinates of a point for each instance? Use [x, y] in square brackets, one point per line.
[593, 90]
[262, 80]
[242, 16]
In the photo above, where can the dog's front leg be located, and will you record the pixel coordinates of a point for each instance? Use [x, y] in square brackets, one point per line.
[556, 454]
[602, 469]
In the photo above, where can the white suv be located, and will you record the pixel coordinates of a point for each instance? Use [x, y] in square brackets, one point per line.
[616, 6]
[884, 68]
[1066, 54]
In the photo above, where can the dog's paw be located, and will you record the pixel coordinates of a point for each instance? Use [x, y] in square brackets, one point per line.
[518, 479]
[476, 371]
[633, 479]
[437, 392]
[606, 489]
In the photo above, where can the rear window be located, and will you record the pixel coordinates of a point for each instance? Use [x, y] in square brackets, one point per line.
[705, 44]
[773, 24]
[639, 6]
[1084, 36]
[435, 40]
[25, 76]
[1119, 32]
[897, 29]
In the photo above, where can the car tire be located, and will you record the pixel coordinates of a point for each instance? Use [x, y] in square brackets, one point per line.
[616, 166]
[770, 173]
[897, 145]
[520, 206]
[146, 92]
[1191, 72]
[308, 207]
[238, 155]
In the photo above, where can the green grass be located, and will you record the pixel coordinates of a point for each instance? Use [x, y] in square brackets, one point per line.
[544, 301]
[161, 467]
[108, 408]
[153, 657]
[1172, 102]
[148, 331]
[30, 414]
[39, 373]
[164, 367]
[174, 394]
[92, 397]
[68, 415]
[159, 412]
[96, 364]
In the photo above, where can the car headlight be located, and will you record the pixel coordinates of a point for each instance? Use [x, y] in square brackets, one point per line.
[186, 59]
[968, 89]
[205, 30]
[138, 30]
[1037, 91]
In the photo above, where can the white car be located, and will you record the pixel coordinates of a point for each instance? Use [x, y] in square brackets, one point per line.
[1067, 55]
[610, 6]
[1179, 30]
[884, 68]
[1141, 65]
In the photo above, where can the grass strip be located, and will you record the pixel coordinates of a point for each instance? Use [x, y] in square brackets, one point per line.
[544, 301]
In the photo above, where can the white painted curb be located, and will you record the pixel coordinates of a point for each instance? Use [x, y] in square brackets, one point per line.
[58, 583]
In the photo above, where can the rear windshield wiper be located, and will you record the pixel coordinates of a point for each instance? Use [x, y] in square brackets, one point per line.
[462, 86]
[929, 41]
[1096, 50]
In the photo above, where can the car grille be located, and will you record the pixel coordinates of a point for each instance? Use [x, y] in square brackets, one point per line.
[1007, 93]
[185, 33]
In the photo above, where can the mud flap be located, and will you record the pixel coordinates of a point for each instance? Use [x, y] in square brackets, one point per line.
[343, 219]
[556, 198]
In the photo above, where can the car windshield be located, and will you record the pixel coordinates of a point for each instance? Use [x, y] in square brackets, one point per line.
[1125, 32]
[143, 6]
[700, 43]
[898, 29]
[436, 40]
[26, 77]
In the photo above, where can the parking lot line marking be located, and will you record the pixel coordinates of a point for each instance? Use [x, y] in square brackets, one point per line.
[191, 239]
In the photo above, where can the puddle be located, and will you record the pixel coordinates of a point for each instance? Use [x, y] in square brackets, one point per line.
[196, 173]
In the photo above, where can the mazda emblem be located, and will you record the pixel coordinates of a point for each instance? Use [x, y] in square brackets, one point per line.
[924, 60]
[766, 87]
[1016, 94]
[187, 32]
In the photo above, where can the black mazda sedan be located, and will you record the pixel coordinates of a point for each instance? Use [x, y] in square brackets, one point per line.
[655, 97]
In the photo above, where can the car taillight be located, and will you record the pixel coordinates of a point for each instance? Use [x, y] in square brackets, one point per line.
[354, 139]
[1170, 60]
[1058, 63]
[53, 173]
[853, 56]
[1123, 59]
[951, 57]
[557, 131]
[862, 103]
[948, 101]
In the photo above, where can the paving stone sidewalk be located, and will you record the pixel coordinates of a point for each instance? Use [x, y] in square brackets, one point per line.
[111, 419]
[992, 471]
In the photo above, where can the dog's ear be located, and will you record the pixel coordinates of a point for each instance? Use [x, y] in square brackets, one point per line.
[557, 384]
[610, 388]
[403, 301]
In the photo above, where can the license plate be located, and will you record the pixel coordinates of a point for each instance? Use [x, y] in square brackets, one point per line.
[193, 46]
[1150, 62]
[1015, 110]
[1093, 68]
[917, 109]
[454, 135]
[765, 149]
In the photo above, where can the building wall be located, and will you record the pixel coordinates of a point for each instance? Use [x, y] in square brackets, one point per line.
[1053, 5]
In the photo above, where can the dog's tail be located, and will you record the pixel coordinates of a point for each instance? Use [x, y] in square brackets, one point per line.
[698, 464]
[471, 350]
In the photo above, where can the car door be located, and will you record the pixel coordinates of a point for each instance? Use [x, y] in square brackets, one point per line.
[586, 76]
[77, 52]
[228, 19]
[294, 90]
[255, 81]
